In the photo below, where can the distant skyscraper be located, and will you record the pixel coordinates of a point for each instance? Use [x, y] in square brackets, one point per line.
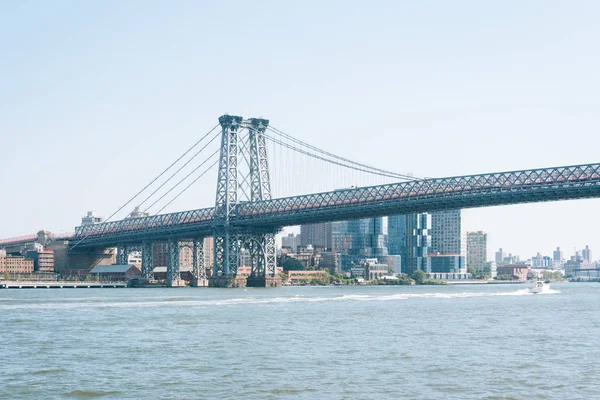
[319, 235]
[558, 258]
[500, 255]
[477, 250]
[291, 241]
[587, 254]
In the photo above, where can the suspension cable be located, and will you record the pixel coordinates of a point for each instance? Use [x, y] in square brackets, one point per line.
[188, 186]
[291, 147]
[300, 142]
[180, 168]
[151, 182]
[183, 179]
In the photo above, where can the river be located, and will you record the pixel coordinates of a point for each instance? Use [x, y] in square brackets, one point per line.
[368, 342]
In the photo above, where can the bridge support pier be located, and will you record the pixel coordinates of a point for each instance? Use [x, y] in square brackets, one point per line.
[122, 255]
[173, 276]
[147, 267]
[199, 276]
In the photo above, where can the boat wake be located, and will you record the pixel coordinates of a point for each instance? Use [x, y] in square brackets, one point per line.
[191, 302]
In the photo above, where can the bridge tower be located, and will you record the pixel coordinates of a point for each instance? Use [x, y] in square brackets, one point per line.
[243, 176]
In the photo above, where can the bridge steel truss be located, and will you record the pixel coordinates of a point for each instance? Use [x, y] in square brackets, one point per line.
[266, 216]
[514, 187]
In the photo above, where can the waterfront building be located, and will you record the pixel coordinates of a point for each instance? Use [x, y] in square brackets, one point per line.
[2, 261]
[91, 219]
[369, 268]
[317, 235]
[291, 241]
[518, 272]
[477, 247]
[446, 263]
[43, 260]
[18, 265]
[115, 272]
[135, 258]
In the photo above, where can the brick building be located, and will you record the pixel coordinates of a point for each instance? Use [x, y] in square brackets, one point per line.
[18, 265]
[518, 272]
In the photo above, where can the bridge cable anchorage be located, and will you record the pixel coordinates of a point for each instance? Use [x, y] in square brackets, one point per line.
[179, 170]
[183, 179]
[151, 182]
[308, 145]
[373, 172]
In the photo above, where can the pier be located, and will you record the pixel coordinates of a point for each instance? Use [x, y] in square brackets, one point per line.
[59, 285]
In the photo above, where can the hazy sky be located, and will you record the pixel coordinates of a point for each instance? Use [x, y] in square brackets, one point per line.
[97, 97]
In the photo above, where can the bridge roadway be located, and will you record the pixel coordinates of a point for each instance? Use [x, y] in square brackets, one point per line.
[536, 185]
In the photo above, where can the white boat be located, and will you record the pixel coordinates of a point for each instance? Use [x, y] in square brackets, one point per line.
[539, 287]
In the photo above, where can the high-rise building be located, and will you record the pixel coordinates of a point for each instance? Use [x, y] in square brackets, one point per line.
[409, 238]
[447, 233]
[358, 239]
[587, 254]
[477, 250]
[317, 235]
[291, 241]
[397, 231]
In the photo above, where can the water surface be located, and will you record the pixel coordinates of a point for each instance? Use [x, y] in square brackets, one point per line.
[429, 342]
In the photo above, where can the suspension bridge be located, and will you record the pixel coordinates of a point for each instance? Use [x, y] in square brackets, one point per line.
[253, 201]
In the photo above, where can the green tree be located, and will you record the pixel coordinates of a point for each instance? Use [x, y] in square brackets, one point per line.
[291, 264]
[419, 276]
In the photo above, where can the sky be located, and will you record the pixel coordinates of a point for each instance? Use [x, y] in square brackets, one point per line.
[98, 97]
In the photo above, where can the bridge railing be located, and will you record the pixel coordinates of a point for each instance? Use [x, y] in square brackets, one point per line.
[145, 224]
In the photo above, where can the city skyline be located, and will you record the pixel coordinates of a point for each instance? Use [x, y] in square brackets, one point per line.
[90, 125]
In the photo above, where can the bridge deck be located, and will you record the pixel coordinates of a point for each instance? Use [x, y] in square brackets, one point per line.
[513, 187]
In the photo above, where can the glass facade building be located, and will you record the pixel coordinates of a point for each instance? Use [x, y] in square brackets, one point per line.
[358, 239]
[409, 237]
